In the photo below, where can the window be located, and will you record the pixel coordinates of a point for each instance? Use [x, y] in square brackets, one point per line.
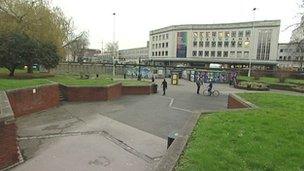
[206, 53]
[233, 34]
[159, 37]
[207, 44]
[153, 46]
[239, 54]
[213, 44]
[159, 53]
[166, 53]
[225, 54]
[212, 53]
[240, 34]
[163, 53]
[233, 43]
[247, 43]
[195, 35]
[163, 45]
[232, 53]
[156, 46]
[247, 33]
[220, 35]
[159, 45]
[219, 53]
[153, 38]
[156, 38]
[208, 34]
[194, 53]
[167, 44]
[214, 34]
[280, 57]
[164, 36]
[246, 54]
[219, 44]
[284, 58]
[201, 44]
[281, 50]
[201, 35]
[289, 58]
[226, 44]
[200, 53]
[264, 43]
[227, 34]
[240, 44]
[167, 36]
[152, 53]
[195, 44]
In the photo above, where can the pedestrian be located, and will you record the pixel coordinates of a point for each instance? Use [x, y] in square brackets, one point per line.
[153, 79]
[165, 86]
[198, 84]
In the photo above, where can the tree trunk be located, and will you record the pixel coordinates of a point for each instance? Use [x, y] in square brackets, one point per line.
[30, 69]
[12, 72]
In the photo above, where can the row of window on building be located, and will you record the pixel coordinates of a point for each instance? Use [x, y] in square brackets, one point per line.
[160, 37]
[220, 34]
[221, 44]
[288, 58]
[238, 54]
[160, 45]
[160, 53]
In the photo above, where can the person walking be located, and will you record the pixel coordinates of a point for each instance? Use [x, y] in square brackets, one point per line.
[165, 85]
[153, 79]
[198, 84]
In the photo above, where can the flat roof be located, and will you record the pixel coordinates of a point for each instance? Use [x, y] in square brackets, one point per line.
[264, 23]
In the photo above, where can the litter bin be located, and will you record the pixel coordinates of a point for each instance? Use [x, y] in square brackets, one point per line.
[154, 88]
[171, 138]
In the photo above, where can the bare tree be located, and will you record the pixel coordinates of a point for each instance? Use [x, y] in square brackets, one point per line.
[77, 45]
[112, 48]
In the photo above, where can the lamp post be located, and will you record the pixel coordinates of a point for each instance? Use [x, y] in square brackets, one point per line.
[113, 48]
[252, 42]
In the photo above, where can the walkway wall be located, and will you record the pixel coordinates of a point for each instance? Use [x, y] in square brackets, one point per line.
[136, 90]
[234, 102]
[29, 100]
[8, 145]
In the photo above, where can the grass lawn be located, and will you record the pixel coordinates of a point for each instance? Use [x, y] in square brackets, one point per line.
[268, 138]
[71, 80]
[6, 84]
[273, 80]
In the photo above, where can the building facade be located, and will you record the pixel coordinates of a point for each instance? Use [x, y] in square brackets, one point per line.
[290, 56]
[133, 55]
[231, 43]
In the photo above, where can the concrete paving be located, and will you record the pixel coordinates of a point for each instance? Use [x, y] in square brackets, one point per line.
[125, 134]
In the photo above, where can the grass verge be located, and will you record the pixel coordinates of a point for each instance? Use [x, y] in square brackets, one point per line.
[268, 138]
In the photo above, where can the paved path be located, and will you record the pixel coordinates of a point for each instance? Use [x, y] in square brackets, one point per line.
[125, 134]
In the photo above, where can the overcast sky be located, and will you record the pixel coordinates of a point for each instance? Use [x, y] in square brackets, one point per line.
[135, 18]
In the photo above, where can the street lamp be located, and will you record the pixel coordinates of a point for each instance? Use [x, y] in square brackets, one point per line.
[113, 47]
[249, 70]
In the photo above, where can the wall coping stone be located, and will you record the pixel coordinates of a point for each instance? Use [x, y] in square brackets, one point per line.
[31, 87]
[6, 111]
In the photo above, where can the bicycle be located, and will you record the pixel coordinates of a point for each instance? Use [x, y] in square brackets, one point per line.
[213, 93]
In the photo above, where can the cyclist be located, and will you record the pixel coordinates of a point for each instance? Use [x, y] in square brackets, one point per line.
[210, 86]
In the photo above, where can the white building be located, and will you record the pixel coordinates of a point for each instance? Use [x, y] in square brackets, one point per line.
[290, 56]
[133, 55]
[230, 43]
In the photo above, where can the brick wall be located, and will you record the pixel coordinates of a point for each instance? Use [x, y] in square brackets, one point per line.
[235, 103]
[114, 92]
[8, 145]
[136, 90]
[25, 101]
[78, 94]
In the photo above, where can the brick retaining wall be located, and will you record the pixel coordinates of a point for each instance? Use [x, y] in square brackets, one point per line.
[235, 103]
[26, 101]
[8, 145]
[136, 90]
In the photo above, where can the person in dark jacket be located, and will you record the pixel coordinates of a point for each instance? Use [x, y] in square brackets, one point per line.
[198, 84]
[210, 86]
[165, 86]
